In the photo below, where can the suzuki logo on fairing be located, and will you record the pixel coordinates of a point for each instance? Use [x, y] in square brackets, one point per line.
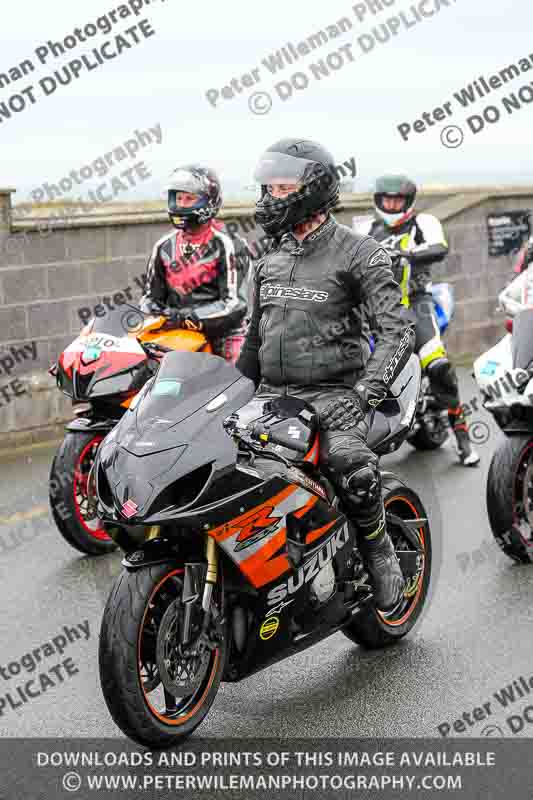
[255, 526]
[311, 568]
[129, 509]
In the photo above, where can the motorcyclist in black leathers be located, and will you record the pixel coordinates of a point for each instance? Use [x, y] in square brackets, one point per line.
[421, 236]
[308, 334]
[196, 273]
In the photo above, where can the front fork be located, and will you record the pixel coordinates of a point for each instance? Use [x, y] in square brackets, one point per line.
[199, 581]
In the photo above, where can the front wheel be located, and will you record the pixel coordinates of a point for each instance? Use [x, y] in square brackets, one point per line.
[372, 628]
[69, 494]
[157, 690]
[510, 497]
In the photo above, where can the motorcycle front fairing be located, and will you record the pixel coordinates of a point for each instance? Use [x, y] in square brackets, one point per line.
[502, 384]
[103, 361]
[522, 340]
[171, 445]
[504, 376]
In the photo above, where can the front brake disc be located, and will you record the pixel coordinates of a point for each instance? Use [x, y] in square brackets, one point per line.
[181, 675]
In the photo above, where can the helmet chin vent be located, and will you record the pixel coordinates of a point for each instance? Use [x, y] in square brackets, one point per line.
[393, 220]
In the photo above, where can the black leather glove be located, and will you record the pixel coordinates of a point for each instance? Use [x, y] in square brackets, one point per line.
[341, 414]
[184, 318]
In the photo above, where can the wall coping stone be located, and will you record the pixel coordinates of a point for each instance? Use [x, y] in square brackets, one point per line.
[463, 198]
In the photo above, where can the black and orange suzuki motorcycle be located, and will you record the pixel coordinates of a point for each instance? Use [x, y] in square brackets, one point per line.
[237, 552]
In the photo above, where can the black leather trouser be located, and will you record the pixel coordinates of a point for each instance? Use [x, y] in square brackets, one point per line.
[344, 454]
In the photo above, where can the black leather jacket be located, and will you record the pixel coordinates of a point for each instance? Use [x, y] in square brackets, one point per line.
[311, 303]
[202, 270]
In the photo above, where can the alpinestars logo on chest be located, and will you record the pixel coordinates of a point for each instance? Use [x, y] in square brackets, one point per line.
[296, 292]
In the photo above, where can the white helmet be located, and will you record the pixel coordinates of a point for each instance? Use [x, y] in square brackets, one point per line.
[395, 186]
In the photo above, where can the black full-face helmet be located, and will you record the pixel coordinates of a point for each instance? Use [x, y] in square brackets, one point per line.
[395, 186]
[194, 179]
[295, 161]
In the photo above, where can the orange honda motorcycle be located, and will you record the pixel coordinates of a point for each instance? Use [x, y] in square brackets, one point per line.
[102, 371]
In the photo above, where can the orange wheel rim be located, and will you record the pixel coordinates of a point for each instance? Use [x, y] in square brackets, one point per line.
[183, 718]
[414, 602]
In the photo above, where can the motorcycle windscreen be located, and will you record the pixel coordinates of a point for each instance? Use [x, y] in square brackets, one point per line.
[174, 431]
[522, 340]
[120, 321]
[185, 383]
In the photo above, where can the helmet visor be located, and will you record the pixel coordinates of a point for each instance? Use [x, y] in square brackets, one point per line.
[185, 181]
[392, 203]
[274, 168]
[177, 208]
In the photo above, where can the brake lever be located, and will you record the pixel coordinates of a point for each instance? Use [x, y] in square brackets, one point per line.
[260, 450]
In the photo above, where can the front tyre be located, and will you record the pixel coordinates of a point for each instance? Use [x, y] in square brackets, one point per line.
[510, 497]
[157, 691]
[372, 628]
[69, 494]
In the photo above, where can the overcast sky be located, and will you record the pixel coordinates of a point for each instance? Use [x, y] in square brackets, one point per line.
[202, 46]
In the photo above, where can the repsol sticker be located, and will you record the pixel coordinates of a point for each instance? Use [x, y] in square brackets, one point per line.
[311, 568]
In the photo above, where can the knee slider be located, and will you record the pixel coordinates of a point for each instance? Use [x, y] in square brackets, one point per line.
[364, 485]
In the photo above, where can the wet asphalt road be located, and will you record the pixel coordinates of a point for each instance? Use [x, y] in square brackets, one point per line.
[474, 639]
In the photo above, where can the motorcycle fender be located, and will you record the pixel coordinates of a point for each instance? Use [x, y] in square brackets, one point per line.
[87, 425]
[155, 551]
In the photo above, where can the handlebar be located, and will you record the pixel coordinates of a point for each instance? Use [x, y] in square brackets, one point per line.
[150, 347]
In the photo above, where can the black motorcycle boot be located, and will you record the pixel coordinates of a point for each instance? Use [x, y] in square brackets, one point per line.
[467, 455]
[379, 558]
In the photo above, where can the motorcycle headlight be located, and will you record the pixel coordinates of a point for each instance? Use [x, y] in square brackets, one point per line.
[65, 383]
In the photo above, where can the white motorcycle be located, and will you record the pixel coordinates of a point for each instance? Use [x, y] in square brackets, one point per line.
[504, 375]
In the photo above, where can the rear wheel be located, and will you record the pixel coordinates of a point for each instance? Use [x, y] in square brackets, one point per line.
[70, 498]
[372, 628]
[431, 432]
[510, 497]
[157, 690]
